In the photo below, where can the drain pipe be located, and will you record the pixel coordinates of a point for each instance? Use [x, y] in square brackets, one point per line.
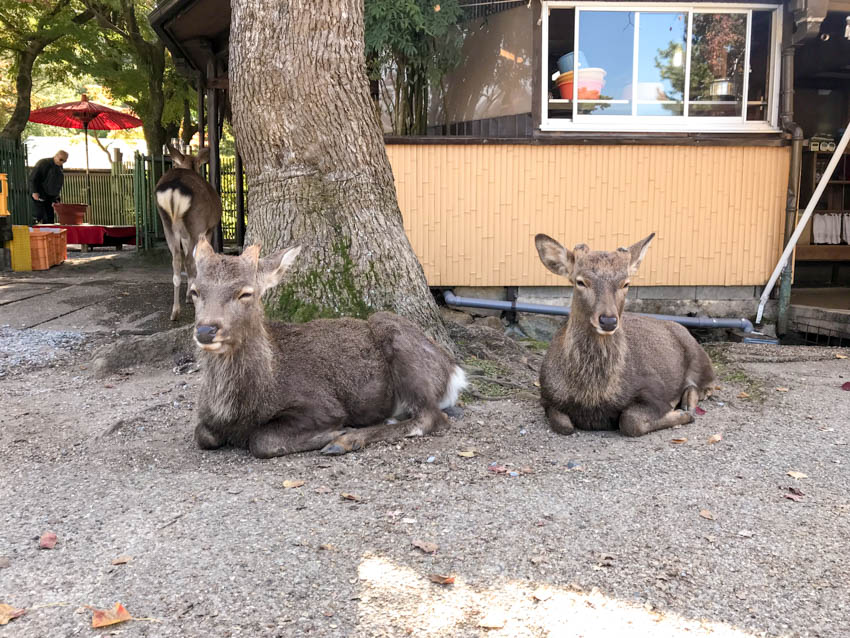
[793, 195]
[744, 325]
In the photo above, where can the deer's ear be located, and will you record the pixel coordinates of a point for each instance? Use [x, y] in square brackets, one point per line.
[251, 254]
[203, 156]
[203, 249]
[554, 256]
[173, 153]
[272, 268]
[637, 252]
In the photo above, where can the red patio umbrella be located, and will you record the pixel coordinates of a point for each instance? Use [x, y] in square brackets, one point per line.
[85, 115]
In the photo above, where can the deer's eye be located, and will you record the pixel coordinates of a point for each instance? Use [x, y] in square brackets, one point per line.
[580, 283]
[245, 295]
[193, 293]
[625, 285]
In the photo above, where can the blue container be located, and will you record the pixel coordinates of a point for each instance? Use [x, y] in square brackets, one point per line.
[565, 62]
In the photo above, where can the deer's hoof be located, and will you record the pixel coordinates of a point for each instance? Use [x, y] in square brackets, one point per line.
[333, 449]
[174, 314]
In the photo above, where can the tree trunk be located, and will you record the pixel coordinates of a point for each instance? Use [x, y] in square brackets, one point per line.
[317, 170]
[23, 82]
[154, 131]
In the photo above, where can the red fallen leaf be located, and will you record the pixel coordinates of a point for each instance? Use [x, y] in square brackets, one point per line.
[47, 540]
[441, 580]
[425, 546]
[699, 410]
[350, 497]
[846, 386]
[497, 469]
[793, 497]
[7, 613]
[106, 617]
[796, 490]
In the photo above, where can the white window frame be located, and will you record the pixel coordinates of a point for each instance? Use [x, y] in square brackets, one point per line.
[672, 123]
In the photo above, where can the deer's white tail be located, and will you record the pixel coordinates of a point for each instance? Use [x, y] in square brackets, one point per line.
[457, 382]
[174, 201]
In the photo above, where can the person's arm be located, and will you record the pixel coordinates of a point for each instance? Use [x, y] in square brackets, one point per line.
[36, 179]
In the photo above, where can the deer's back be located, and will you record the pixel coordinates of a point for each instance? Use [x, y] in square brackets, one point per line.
[332, 365]
[205, 209]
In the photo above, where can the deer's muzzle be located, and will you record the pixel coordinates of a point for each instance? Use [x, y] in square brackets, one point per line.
[206, 334]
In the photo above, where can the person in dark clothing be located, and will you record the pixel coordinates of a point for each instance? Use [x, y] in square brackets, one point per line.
[46, 182]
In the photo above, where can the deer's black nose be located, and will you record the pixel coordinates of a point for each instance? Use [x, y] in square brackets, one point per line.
[608, 324]
[205, 334]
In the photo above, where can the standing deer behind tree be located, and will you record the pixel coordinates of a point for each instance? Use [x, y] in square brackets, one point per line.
[329, 384]
[607, 369]
[189, 207]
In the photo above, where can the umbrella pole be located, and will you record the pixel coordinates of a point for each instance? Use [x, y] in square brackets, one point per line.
[88, 177]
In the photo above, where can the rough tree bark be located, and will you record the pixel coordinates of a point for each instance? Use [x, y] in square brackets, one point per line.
[317, 170]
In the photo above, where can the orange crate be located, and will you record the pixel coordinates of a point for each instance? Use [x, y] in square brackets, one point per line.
[58, 246]
[40, 250]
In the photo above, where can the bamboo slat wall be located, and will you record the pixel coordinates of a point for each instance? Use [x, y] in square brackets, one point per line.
[471, 211]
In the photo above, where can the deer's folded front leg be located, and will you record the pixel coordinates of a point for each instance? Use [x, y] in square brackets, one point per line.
[276, 439]
[559, 421]
[639, 419]
[207, 438]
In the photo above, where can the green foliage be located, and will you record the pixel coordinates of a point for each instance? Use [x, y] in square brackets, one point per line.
[411, 44]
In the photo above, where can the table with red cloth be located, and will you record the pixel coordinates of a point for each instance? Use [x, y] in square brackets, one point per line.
[96, 235]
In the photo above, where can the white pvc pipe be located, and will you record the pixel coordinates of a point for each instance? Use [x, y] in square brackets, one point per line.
[827, 175]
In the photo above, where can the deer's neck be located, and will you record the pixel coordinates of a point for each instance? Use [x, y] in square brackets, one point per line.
[595, 361]
[236, 384]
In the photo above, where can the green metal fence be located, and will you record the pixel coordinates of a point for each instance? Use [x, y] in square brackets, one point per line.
[13, 162]
[111, 201]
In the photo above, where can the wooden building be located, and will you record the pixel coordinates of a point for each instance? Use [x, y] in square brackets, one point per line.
[679, 122]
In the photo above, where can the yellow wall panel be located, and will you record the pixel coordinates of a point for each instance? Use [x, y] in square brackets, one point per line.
[471, 211]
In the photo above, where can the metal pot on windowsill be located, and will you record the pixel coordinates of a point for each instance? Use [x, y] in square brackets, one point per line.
[721, 88]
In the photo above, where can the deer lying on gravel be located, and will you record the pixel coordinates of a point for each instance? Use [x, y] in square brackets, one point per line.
[189, 207]
[606, 369]
[330, 384]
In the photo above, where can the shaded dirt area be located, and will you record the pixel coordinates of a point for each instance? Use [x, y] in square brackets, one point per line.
[589, 535]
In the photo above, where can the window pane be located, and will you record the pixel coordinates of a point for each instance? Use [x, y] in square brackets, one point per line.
[560, 63]
[606, 43]
[661, 63]
[718, 45]
[757, 91]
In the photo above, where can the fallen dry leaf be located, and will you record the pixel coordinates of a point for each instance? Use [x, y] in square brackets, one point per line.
[845, 386]
[47, 540]
[796, 491]
[122, 560]
[743, 395]
[426, 546]
[350, 497]
[323, 489]
[467, 454]
[497, 469]
[840, 356]
[715, 438]
[793, 497]
[106, 617]
[292, 484]
[706, 514]
[328, 547]
[441, 580]
[782, 389]
[745, 533]
[699, 411]
[7, 613]
[679, 439]
[797, 475]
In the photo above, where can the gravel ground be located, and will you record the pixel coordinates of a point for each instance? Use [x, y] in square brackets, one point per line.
[589, 535]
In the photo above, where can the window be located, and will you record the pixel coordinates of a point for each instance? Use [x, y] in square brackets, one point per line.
[660, 67]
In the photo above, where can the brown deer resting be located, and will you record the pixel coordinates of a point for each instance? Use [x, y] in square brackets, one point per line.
[189, 207]
[607, 369]
[329, 384]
